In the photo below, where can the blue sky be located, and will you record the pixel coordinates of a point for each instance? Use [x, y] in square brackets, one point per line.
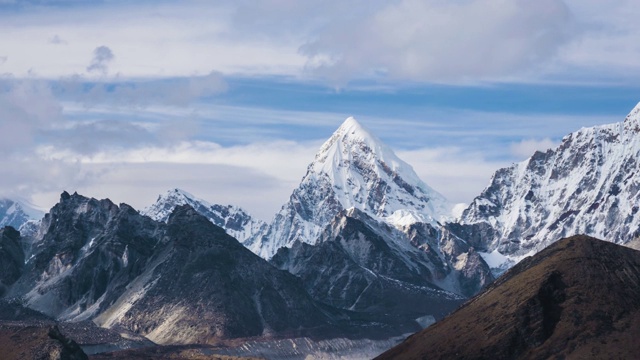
[230, 100]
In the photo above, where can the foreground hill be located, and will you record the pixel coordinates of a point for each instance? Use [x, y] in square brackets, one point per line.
[577, 299]
[37, 342]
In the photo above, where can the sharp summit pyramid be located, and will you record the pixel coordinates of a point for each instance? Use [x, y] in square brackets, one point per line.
[352, 169]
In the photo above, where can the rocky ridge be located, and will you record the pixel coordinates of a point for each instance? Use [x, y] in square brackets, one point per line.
[185, 281]
[236, 221]
[364, 265]
[204, 285]
[589, 184]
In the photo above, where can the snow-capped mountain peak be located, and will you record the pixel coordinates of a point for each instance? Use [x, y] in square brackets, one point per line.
[349, 131]
[236, 221]
[632, 121]
[16, 213]
[353, 169]
[367, 174]
[352, 139]
[634, 114]
[588, 185]
[164, 205]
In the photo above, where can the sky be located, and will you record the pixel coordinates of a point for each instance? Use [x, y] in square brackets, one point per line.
[230, 100]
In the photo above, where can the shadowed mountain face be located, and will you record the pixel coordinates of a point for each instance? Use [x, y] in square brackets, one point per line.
[579, 298]
[356, 267]
[186, 281]
[85, 253]
[11, 257]
[204, 285]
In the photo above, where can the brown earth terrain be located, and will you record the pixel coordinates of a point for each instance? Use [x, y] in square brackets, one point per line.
[577, 299]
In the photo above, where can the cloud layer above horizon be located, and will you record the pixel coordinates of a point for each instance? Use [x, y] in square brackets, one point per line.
[416, 40]
[231, 100]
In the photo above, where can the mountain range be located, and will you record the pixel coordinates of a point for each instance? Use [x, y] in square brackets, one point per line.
[363, 246]
[185, 281]
[394, 241]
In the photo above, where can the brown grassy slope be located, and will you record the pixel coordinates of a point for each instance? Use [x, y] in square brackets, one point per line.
[577, 299]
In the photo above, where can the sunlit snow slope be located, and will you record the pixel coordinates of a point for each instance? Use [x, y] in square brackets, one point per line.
[353, 169]
[590, 184]
[236, 222]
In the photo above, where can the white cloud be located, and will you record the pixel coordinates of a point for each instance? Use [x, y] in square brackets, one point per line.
[150, 40]
[525, 148]
[460, 175]
[258, 176]
[402, 40]
[444, 41]
[607, 50]
[456, 41]
[139, 184]
[284, 160]
[26, 109]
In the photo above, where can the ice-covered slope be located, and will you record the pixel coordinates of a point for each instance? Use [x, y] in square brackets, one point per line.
[589, 185]
[236, 222]
[353, 169]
